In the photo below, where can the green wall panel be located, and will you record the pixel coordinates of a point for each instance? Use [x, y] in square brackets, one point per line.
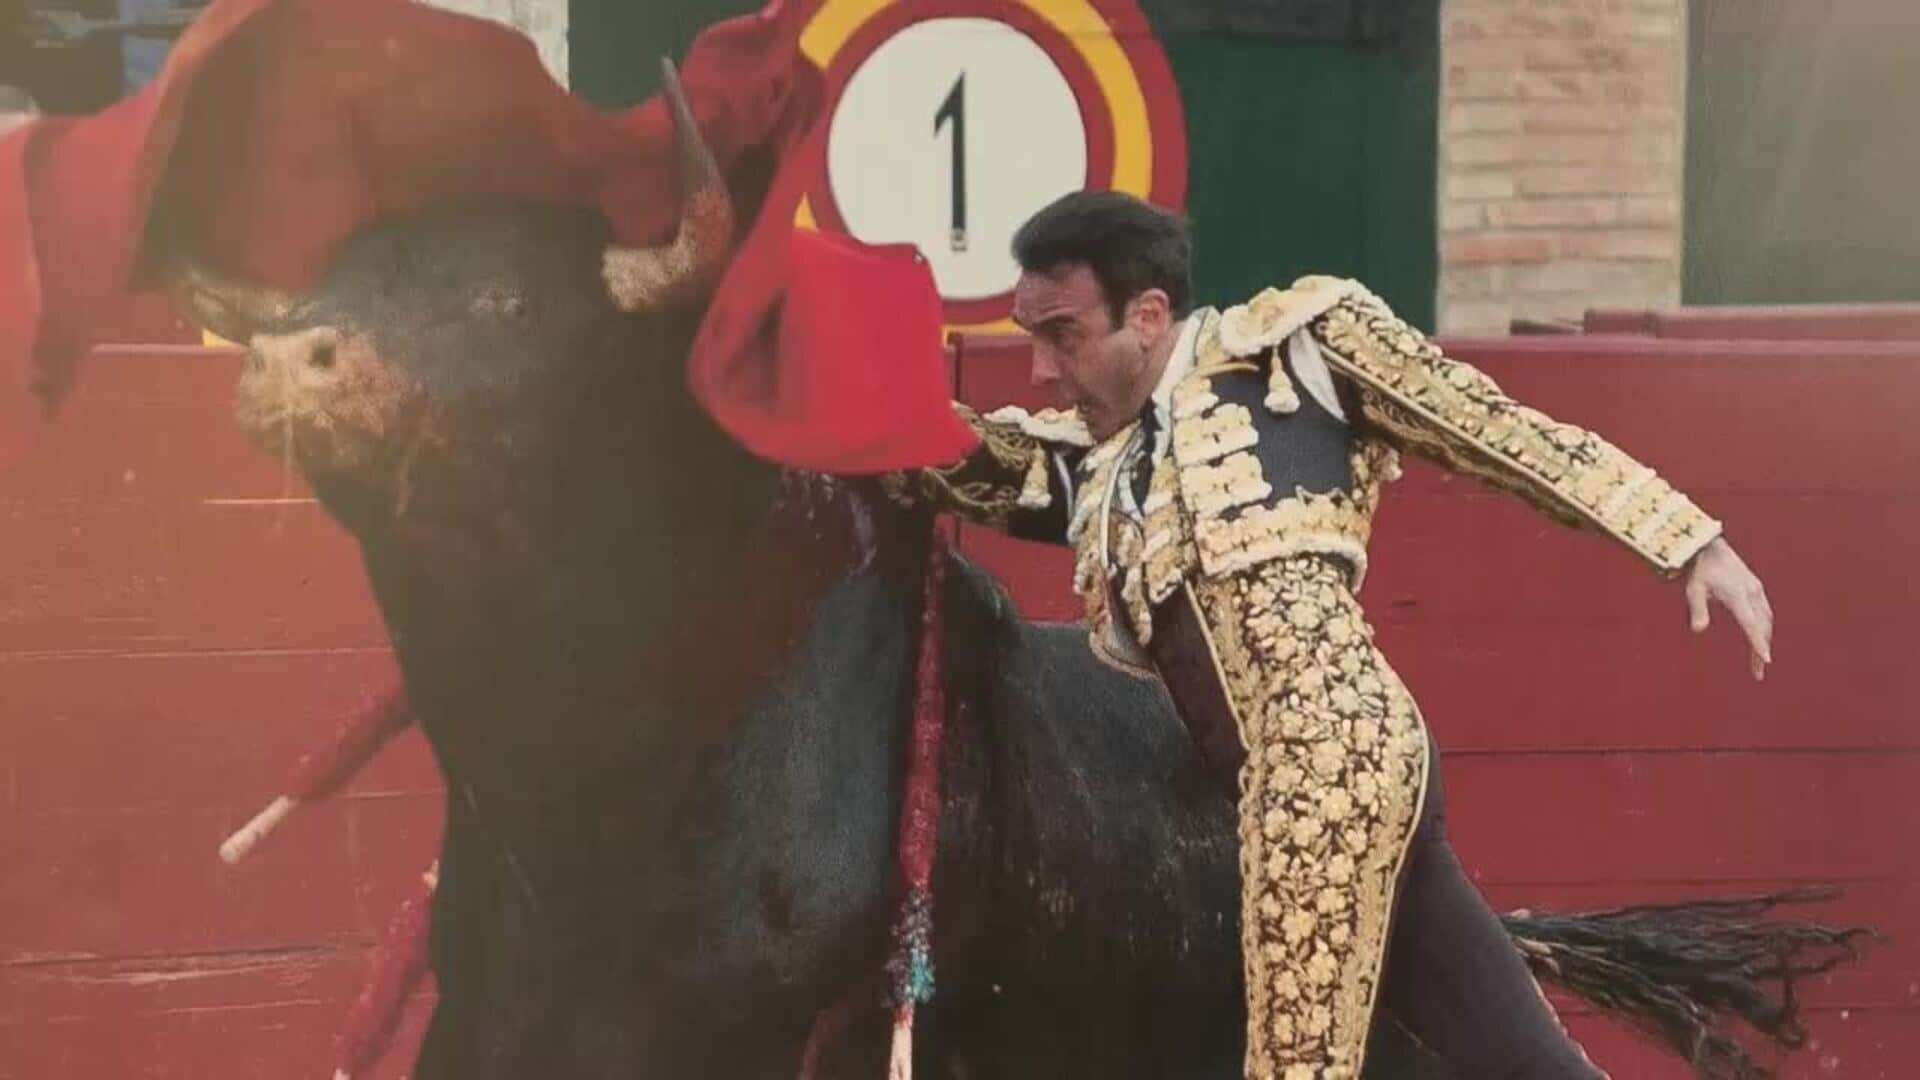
[615, 45]
[1311, 159]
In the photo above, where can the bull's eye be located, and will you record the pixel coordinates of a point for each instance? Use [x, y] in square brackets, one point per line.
[322, 357]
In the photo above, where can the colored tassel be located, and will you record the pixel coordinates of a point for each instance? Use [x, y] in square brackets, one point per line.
[910, 968]
[1283, 399]
[322, 772]
[399, 963]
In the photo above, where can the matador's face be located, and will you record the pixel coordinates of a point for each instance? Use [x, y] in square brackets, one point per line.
[1080, 355]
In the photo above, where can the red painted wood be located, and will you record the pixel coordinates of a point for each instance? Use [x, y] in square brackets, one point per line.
[1633, 816]
[95, 750]
[1038, 575]
[272, 1020]
[1875, 1044]
[1617, 321]
[1765, 322]
[153, 422]
[134, 882]
[148, 316]
[89, 575]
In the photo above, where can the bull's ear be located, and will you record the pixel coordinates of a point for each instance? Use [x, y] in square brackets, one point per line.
[681, 272]
[234, 310]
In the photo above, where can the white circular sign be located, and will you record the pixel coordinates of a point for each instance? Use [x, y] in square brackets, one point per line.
[948, 137]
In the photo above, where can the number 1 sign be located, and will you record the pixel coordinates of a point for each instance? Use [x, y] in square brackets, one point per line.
[951, 121]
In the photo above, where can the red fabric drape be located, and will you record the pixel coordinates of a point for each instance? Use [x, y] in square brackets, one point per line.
[279, 127]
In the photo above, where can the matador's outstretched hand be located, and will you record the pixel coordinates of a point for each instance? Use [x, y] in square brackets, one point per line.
[1718, 573]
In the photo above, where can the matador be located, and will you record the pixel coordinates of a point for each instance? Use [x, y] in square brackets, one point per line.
[1217, 473]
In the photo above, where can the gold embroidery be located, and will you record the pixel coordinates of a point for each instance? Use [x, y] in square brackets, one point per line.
[1327, 524]
[1282, 398]
[1213, 435]
[1110, 545]
[1168, 553]
[1191, 397]
[1008, 472]
[1047, 425]
[1036, 491]
[1274, 315]
[1448, 410]
[1330, 795]
[1236, 481]
[1215, 485]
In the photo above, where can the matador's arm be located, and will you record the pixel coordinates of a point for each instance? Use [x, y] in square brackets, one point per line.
[1420, 399]
[1428, 403]
[1019, 481]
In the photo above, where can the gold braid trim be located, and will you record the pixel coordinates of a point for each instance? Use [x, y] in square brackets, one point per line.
[1447, 410]
[1047, 425]
[1226, 493]
[1223, 430]
[1330, 796]
[1236, 481]
[1306, 524]
[1111, 549]
[1008, 472]
[1169, 553]
[1264, 323]
[1338, 523]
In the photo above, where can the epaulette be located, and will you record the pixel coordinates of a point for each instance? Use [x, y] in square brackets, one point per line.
[1277, 314]
[1047, 425]
[1264, 323]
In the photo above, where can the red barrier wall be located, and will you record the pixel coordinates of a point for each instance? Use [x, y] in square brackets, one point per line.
[1768, 322]
[179, 621]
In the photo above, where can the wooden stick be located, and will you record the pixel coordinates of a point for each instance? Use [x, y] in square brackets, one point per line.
[242, 842]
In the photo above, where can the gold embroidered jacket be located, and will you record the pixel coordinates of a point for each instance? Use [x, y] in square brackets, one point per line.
[1280, 438]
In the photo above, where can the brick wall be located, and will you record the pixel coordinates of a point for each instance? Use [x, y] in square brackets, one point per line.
[1560, 158]
[545, 21]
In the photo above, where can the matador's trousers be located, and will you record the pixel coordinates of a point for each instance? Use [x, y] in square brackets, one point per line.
[1351, 895]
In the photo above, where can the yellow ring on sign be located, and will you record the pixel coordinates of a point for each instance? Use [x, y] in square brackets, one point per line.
[833, 24]
[1119, 84]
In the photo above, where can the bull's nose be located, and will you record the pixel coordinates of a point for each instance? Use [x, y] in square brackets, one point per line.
[312, 353]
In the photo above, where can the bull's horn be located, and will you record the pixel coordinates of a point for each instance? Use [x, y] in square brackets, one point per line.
[232, 309]
[681, 272]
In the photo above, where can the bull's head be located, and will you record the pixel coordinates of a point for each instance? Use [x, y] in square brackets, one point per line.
[459, 333]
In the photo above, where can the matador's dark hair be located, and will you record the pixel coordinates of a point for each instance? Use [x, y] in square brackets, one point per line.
[1129, 244]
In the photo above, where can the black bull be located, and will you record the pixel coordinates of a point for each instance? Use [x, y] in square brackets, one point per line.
[668, 686]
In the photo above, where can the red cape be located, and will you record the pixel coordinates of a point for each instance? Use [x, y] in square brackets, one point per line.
[279, 127]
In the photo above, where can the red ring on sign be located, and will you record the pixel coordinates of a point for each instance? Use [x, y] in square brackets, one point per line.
[1165, 115]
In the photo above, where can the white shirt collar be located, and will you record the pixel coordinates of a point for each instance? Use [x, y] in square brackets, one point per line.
[1178, 365]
